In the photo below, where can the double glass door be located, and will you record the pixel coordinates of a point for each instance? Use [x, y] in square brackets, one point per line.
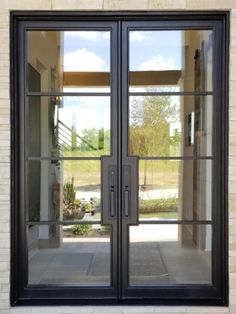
[119, 164]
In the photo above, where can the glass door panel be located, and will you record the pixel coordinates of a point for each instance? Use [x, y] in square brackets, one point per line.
[64, 190]
[76, 254]
[170, 117]
[169, 61]
[70, 112]
[168, 254]
[167, 189]
[76, 60]
[58, 126]
[184, 125]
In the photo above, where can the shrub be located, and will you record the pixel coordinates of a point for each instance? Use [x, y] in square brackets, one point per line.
[86, 207]
[158, 205]
[69, 192]
[81, 229]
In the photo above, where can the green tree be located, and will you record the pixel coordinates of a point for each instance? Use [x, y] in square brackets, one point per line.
[150, 119]
[94, 139]
[90, 139]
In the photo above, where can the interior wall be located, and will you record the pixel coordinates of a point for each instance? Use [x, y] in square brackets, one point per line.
[196, 205]
[44, 56]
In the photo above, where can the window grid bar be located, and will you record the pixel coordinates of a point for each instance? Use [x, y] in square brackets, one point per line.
[171, 93]
[54, 94]
[62, 158]
[66, 222]
[61, 94]
[175, 222]
[141, 222]
[178, 158]
[140, 158]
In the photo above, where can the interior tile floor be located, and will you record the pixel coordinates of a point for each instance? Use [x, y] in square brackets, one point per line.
[87, 261]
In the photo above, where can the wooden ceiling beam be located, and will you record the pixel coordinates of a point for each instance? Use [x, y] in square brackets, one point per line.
[137, 78]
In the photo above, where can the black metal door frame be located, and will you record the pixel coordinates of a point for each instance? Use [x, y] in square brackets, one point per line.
[119, 171]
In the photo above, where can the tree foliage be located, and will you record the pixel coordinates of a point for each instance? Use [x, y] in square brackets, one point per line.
[99, 139]
[150, 119]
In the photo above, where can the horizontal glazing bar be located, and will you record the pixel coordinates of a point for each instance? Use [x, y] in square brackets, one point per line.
[66, 222]
[178, 158]
[141, 222]
[63, 158]
[140, 158]
[171, 93]
[175, 222]
[61, 94]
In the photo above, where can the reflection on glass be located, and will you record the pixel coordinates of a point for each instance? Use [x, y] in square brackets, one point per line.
[172, 189]
[64, 190]
[170, 254]
[69, 126]
[170, 60]
[170, 126]
[77, 61]
[74, 254]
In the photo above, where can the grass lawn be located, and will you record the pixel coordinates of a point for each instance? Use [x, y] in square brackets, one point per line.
[161, 174]
[161, 215]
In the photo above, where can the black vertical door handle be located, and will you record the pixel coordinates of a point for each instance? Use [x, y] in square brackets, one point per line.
[130, 190]
[126, 203]
[108, 190]
[112, 188]
[126, 189]
[112, 203]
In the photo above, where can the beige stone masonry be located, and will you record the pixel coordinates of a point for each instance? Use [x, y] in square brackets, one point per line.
[5, 103]
[25, 5]
[210, 4]
[204, 309]
[232, 117]
[233, 72]
[79, 5]
[233, 49]
[4, 79]
[167, 4]
[4, 311]
[125, 5]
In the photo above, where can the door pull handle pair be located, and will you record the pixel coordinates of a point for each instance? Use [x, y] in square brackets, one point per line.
[113, 192]
[109, 191]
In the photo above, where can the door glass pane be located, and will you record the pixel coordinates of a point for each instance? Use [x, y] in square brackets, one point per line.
[170, 60]
[170, 254]
[173, 189]
[74, 126]
[170, 126]
[69, 61]
[64, 190]
[69, 255]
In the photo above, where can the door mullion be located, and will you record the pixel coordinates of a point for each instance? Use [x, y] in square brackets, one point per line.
[124, 152]
[119, 156]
